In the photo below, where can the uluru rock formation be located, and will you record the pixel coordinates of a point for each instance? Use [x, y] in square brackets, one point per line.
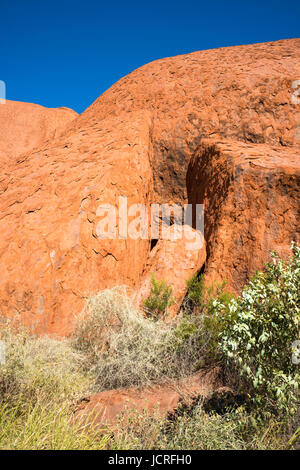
[216, 127]
[24, 126]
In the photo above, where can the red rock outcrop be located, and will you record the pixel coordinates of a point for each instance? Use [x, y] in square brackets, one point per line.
[104, 408]
[251, 195]
[137, 140]
[243, 93]
[24, 126]
[51, 256]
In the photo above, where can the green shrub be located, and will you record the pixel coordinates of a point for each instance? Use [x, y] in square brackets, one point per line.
[194, 429]
[159, 300]
[197, 430]
[205, 314]
[202, 297]
[258, 343]
[196, 290]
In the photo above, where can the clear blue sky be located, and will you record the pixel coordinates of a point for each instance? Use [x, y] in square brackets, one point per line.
[66, 53]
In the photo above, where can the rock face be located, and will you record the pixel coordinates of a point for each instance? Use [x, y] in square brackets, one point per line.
[243, 93]
[24, 126]
[140, 139]
[172, 260]
[251, 195]
[51, 255]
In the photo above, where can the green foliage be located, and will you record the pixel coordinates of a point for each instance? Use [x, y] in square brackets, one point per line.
[196, 290]
[40, 369]
[46, 427]
[217, 316]
[258, 343]
[295, 439]
[205, 314]
[159, 300]
[194, 429]
[204, 297]
[114, 345]
[254, 334]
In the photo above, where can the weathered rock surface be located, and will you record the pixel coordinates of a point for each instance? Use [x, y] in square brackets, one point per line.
[51, 256]
[175, 258]
[251, 195]
[105, 407]
[24, 126]
[137, 140]
[242, 93]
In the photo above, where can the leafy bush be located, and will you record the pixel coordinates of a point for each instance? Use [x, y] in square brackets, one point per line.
[266, 323]
[205, 314]
[203, 297]
[254, 334]
[159, 300]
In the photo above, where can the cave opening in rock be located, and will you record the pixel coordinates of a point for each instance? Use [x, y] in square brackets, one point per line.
[153, 243]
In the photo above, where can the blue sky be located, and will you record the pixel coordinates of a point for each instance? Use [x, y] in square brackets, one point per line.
[66, 53]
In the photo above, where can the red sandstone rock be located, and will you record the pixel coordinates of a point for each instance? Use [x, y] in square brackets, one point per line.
[24, 126]
[51, 257]
[105, 407]
[251, 195]
[175, 258]
[137, 140]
